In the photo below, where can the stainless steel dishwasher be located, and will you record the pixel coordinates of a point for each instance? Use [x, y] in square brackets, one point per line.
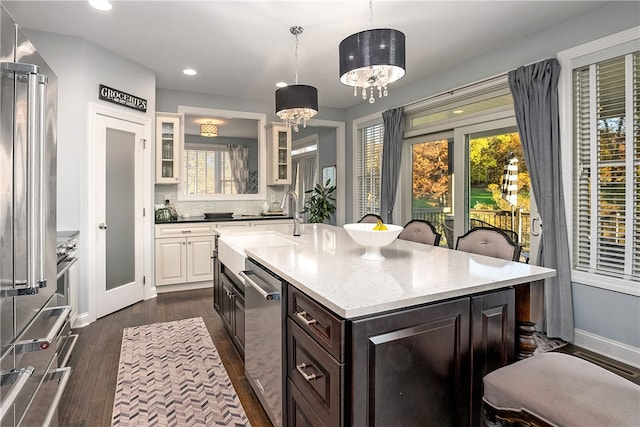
[263, 337]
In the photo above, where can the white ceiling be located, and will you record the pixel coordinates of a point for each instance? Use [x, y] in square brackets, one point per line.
[242, 48]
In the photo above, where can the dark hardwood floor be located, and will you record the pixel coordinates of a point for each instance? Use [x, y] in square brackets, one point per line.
[88, 399]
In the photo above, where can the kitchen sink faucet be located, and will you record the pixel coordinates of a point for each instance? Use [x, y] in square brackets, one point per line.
[296, 216]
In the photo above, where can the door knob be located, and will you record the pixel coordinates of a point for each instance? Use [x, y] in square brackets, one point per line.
[102, 226]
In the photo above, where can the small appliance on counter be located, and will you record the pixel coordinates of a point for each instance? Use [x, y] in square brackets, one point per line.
[166, 213]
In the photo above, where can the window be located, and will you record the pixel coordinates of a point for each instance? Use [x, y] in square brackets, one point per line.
[208, 171]
[369, 169]
[608, 159]
[604, 87]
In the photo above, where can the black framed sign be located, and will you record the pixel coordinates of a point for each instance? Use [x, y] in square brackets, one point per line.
[119, 97]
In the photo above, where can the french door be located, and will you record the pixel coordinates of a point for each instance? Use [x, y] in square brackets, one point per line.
[456, 182]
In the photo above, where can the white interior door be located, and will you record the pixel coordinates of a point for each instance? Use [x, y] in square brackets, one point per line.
[118, 193]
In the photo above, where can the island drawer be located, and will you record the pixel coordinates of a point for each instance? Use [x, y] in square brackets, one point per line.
[299, 411]
[317, 321]
[316, 374]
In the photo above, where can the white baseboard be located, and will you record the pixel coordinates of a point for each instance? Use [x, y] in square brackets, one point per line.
[183, 287]
[609, 348]
[80, 321]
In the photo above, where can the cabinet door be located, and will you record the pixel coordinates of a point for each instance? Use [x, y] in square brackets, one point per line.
[171, 261]
[238, 322]
[412, 367]
[217, 286]
[168, 140]
[226, 303]
[492, 340]
[279, 155]
[199, 258]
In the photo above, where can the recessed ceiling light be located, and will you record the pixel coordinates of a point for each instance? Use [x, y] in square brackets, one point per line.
[458, 111]
[281, 84]
[101, 4]
[189, 72]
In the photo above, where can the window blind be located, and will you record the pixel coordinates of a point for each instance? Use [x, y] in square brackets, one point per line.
[607, 181]
[208, 171]
[369, 168]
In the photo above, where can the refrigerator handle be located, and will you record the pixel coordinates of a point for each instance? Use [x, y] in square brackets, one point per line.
[36, 275]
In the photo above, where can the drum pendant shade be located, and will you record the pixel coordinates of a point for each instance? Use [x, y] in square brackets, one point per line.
[372, 58]
[297, 96]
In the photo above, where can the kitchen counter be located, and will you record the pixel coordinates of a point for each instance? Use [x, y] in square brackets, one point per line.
[192, 219]
[326, 265]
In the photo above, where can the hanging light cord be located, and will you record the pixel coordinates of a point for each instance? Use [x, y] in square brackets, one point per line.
[296, 31]
[296, 54]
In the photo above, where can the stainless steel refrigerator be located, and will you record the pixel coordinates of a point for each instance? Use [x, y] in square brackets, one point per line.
[33, 327]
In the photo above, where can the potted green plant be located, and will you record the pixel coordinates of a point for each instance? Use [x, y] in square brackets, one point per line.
[320, 202]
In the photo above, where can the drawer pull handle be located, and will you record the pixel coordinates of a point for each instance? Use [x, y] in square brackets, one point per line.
[307, 378]
[301, 315]
[186, 231]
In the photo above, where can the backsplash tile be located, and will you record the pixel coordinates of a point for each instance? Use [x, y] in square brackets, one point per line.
[238, 207]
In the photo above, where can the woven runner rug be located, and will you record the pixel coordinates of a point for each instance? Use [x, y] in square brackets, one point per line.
[170, 374]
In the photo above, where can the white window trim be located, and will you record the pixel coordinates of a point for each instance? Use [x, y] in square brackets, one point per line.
[567, 59]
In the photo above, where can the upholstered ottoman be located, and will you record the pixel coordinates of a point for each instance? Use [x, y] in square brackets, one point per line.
[560, 390]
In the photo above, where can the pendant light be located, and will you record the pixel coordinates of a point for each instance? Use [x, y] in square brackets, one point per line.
[372, 59]
[297, 103]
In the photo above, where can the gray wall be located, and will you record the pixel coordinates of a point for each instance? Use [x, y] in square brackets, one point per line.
[81, 66]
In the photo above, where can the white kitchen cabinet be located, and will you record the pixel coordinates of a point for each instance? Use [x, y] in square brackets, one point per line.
[183, 253]
[168, 144]
[171, 261]
[199, 258]
[278, 154]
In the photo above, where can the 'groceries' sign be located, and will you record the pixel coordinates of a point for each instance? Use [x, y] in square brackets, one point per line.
[122, 98]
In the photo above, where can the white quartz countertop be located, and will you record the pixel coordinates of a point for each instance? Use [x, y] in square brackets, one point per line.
[326, 265]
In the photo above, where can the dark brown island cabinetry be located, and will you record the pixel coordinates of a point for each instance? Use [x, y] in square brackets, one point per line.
[228, 301]
[418, 366]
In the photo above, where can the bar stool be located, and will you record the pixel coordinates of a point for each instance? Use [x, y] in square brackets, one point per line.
[555, 389]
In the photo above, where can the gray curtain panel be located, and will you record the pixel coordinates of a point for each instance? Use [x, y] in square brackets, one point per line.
[535, 95]
[391, 154]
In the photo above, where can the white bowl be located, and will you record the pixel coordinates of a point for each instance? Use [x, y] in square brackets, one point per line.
[364, 235]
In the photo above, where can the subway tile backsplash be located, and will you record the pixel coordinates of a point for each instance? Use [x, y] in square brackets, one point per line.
[238, 207]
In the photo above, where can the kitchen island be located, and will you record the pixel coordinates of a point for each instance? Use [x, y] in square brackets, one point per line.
[403, 341]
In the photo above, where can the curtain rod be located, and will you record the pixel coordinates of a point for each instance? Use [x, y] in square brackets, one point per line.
[453, 91]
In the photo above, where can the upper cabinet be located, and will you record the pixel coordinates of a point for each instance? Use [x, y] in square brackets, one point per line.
[168, 143]
[278, 154]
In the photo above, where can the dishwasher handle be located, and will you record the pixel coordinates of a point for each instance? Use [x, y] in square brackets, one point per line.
[269, 296]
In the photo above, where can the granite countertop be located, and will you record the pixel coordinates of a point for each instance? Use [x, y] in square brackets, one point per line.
[191, 219]
[326, 265]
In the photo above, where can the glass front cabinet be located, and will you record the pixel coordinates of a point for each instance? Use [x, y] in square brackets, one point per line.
[278, 154]
[168, 142]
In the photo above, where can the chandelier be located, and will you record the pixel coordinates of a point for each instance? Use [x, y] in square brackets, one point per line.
[372, 59]
[297, 103]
